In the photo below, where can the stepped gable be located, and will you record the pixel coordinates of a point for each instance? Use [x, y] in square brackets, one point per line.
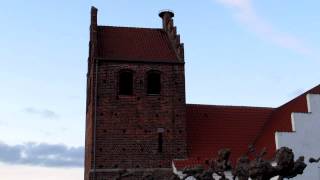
[138, 44]
[281, 121]
[211, 128]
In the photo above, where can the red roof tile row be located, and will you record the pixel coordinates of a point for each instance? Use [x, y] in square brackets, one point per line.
[132, 44]
[211, 128]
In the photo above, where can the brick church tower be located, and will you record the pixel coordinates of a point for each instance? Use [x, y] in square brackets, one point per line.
[136, 109]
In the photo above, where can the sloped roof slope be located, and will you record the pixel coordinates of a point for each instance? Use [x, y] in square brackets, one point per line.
[211, 128]
[135, 44]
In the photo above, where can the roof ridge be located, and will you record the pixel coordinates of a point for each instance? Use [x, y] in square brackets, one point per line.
[127, 27]
[230, 106]
[279, 109]
[135, 43]
[302, 94]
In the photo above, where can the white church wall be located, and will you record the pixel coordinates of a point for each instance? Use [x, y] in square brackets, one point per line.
[305, 140]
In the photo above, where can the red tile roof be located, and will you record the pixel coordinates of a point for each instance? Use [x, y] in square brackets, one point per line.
[130, 44]
[211, 128]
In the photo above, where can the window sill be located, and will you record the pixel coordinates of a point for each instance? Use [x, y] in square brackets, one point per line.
[153, 94]
[126, 96]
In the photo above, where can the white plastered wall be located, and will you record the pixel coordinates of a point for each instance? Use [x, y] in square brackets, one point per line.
[305, 138]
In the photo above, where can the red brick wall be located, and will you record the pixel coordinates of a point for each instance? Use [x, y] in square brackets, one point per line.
[126, 132]
[89, 122]
[136, 174]
[88, 143]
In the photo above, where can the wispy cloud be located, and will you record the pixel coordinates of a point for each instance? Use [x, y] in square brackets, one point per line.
[42, 154]
[245, 13]
[45, 113]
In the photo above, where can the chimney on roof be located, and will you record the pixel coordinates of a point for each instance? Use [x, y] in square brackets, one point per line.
[171, 30]
[166, 16]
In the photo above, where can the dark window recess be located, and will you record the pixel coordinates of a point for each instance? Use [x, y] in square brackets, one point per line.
[154, 83]
[160, 142]
[126, 83]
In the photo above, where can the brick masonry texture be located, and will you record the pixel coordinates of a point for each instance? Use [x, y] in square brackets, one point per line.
[122, 131]
[127, 134]
[137, 174]
[127, 125]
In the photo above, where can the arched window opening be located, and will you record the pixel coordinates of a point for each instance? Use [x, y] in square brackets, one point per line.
[153, 83]
[126, 83]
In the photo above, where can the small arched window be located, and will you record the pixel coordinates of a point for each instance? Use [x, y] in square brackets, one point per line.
[153, 82]
[126, 82]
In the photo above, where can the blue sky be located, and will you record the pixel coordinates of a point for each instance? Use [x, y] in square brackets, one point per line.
[238, 52]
